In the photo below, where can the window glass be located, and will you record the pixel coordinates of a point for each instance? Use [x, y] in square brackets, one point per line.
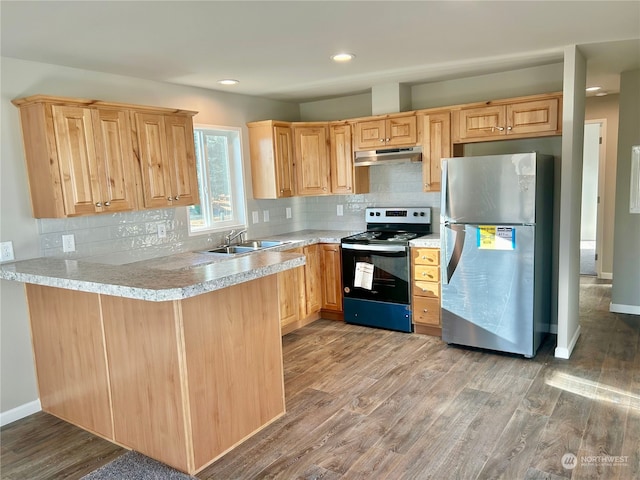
[219, 168]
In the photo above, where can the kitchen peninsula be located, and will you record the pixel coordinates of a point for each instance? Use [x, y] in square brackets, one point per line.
[178, 358]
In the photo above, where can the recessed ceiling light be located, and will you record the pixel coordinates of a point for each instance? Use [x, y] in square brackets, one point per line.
[343, 57]
[228, 81]
[593, 89]
[601, 94]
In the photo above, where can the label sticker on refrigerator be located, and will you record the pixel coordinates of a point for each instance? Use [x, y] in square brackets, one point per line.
[492, 237]
[363, 277]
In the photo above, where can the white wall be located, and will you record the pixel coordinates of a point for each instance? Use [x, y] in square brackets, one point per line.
[575, 71]
[625, 293]
[33, 238]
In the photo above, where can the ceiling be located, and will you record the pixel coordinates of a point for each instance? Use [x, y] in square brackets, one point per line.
[281, 50]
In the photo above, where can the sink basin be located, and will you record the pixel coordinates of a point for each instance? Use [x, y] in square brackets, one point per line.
[232, 250]
[245, 247]
[258, 244]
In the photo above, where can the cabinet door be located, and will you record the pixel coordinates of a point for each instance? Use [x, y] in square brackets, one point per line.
[152, 141]
[289, 295]
[437, 145]
[181, 160]
[76, 156]
[312, 276]
[482, 122]
[341, 159]
[283, 150]
[532, 117]
[370, 135]
[312, 160]
[114, 154]
[331, 278]
[401, 131]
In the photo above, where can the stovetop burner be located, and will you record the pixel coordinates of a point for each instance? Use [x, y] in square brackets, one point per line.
[393, 225]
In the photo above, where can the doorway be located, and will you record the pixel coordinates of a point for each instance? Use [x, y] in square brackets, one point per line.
[591, 219]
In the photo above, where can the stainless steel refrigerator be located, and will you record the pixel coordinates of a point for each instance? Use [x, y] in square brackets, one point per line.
[496, 251]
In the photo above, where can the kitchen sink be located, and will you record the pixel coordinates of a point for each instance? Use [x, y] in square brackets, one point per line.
[245, 247]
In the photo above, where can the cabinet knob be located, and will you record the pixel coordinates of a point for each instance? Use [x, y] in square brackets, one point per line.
[500, 128]
[509, 127]
[324, 189]
[98, 204]
[424, 310]
[107, 204]
[177, 197]
[387, 139]
[169, 198]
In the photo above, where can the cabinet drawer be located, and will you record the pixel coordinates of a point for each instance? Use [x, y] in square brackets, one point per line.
[426, 289]
[426, 311]
[426, 256]
[426, 273]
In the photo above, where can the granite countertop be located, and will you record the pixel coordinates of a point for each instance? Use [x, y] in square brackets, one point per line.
[172, 277]
[428, 241]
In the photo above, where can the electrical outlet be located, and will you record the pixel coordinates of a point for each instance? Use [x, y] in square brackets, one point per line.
[68, 243]
[288, 212]
[162, 230]
[340, 210]
[6, 252]
[265, 215]
[255, 217]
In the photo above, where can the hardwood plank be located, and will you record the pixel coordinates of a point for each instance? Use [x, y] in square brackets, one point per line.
[512, 456]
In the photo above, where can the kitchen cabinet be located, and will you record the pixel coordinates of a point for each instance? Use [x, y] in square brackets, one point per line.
[311, 159]
[331, 281]
[79, 159]
[436, 145]
[167, 160]
[345, 178]
[390, 131]
[271, 153]
[162, 378]
[84, 156]
[291, 294]
[526, 117]
[313, 279]
[425, 290]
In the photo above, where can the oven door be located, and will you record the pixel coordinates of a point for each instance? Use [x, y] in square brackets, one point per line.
[376, 272]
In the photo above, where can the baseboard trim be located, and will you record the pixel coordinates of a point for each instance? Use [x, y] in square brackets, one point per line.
[17, 413]
[565, 352]
[620, 308]
[606, 276]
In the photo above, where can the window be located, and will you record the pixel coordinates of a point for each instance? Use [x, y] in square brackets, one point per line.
[219, 167]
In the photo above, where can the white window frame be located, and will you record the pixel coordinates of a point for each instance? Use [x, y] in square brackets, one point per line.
[238, 197]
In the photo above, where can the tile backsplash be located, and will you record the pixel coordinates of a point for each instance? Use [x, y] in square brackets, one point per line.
[136, 233]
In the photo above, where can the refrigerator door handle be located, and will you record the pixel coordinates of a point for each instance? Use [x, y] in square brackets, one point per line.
[457, 252]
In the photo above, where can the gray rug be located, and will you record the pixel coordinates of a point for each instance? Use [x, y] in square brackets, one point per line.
[135, 466]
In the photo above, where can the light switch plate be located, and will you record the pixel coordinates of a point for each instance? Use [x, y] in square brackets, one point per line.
[288, 212]
[340, 210]
[265, 215]
[162, 230]
[255, 217]
[6, 252]
[68, 243]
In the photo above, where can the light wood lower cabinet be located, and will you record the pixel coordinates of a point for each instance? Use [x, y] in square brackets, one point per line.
[179, 381]
[425, 290]
[313, 291]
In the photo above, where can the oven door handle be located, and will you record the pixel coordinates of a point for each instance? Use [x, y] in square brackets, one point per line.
[374, 248]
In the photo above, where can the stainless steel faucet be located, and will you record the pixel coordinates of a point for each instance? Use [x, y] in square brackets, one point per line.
[232, 235]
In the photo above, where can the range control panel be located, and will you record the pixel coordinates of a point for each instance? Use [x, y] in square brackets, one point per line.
[398, 215]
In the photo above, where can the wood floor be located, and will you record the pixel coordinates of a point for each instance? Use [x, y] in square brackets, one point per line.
[372, 404]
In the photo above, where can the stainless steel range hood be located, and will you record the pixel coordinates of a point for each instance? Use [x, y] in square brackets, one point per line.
[387, 156]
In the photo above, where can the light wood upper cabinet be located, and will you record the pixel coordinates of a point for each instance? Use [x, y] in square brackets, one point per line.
[271, 152]
[345, 178]
[518, 118]
[82, 156]
[167, 160]
[331, 277]
[436, 146]
[386, 132]
[311, 151]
